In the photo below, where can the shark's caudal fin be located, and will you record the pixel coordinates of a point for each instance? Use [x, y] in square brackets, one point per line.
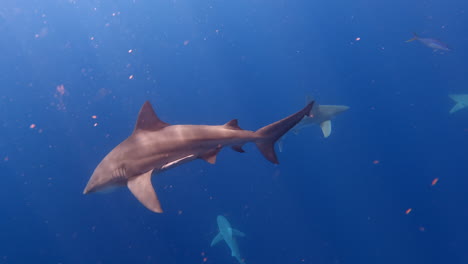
[457, 107]
[271, 133]
[415, 37]
[461, 101]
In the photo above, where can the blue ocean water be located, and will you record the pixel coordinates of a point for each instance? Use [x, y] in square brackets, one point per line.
[75, 73]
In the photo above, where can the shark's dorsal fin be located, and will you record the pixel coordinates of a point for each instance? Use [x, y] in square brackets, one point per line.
[148, 120]
[143, 190]
[233, 124]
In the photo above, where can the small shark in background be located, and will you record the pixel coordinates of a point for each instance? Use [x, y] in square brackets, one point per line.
[155, 146]
[430, 42]
[228, 234]
[320, 115]
[461, 101]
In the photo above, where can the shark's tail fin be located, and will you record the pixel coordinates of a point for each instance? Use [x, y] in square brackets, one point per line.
[415, 37]
[271, 133]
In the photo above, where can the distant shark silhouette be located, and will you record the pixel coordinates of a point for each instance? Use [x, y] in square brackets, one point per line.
[321, 115]
[155, 146]
[434, 44]
[461, 101]
[228, 234]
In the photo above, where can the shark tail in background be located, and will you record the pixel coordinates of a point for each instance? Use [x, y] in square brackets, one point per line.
[271, 133]
[415, 37]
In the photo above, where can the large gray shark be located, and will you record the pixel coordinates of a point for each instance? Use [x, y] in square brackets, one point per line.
[461, 101]
[228, 234]
[321, 115]
[155, 146]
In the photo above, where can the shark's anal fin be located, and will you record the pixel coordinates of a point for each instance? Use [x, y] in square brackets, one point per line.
[143, 190]
[238, 148]
[216, 239]
[148, 120]
[210, 156]
[326, 128]
[236, 232]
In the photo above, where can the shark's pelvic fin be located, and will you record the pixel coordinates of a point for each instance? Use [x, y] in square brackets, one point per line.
[210, 156]
[148, 120]
[273, 132]
[236, 232]
[326, 128]
[143, 190]
[233, 124]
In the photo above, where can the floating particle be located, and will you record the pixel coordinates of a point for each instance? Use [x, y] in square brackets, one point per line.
[60, 89]
[205, 259]
[434, 181]
[422, 229]
[180, 212]
[91, 38]
[130, 77]
[32, 126]
[408, 210]
[375, 162]
[358, 39]
[130, 51]
[95, 125]
[186, 42]
[6, 158]
[94, 116]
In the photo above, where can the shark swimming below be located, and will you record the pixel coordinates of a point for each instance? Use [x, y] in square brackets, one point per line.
[434, 44]
[461, 101]
[228, 234]
[155, 146]
[320, 115]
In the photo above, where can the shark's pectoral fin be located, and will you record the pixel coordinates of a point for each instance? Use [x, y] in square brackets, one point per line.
[326, 128]
[238, 148]
[143, 190]
[210, 156]
[457, 107]
[216, 239]
[236, 232]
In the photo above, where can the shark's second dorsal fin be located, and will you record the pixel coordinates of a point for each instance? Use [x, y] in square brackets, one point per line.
[233, 124]
[148, 120]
